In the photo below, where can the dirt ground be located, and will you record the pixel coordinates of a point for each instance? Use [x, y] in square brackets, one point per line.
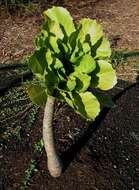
[109, 161]
[110, 154]
[99, 156]
[120, 20]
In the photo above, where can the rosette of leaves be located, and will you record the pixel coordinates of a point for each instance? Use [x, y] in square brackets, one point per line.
[68, 61]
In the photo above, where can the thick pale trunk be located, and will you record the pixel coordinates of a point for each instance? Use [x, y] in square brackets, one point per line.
[53, 162]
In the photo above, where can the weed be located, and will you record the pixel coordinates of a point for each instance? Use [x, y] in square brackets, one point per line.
[28, 174]
[121, 56]
[38, 149]
[39, 146]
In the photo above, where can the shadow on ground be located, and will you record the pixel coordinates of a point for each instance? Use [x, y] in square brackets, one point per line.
[102, 155]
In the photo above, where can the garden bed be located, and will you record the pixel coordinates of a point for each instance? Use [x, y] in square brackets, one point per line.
[99, 156]
[109, 151]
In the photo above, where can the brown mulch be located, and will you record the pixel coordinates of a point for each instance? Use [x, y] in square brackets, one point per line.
[120, 20]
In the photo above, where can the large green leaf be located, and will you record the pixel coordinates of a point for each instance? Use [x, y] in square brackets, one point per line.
[89, 35]
[82, 81]
[37, 94]
[62, 17]
[104, 49]
[104, 77]
[55, 34]
[87, 105]
[86, 64]
[37, 62]
[92, 28]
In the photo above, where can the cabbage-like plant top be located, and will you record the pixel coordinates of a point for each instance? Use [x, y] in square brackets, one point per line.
[69, 61]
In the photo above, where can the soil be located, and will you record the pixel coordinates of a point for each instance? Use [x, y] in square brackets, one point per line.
[119, 19]
[99, 156]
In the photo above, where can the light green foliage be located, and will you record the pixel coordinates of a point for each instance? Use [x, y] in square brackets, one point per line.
[106, 76]
[70, 60]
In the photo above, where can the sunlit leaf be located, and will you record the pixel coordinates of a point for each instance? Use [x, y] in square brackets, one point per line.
[92, 28]
[71, 83]
[62, 17]
[87, 105]
[86, 64]
[82, 81]
[104, 49]
[105, 76]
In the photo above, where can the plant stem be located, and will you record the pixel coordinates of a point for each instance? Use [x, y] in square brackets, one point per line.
[54, 163]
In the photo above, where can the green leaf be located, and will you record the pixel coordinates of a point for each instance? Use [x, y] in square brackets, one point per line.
[104, 77]
[37, 62]
[73, 39]
[37, 94]
[58, 64]
[82, 81]
[49, 57]
[91, 104]
[66, 96]
[40, 40]
[92, 28]
[53, 61]
[62, 17]
[86, 64]
[71, 83]
[55, 33]
[79, 106]
[55, 65]
[51, 81]
[90, 33]
[87, 105]
[104, 49]
[86, 47]
[64, 50]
